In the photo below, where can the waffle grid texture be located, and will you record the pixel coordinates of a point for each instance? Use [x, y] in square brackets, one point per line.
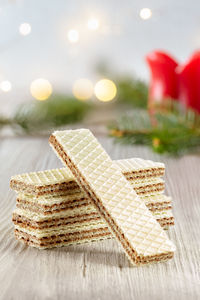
[125, 214]
[46, 177]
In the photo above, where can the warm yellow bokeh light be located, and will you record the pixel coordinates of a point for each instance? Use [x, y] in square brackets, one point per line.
[5, 86]
[83, 89]
[93, 24]
[145, 13]
[73, 36]
[25, 29]
[41, 89]
[105, 90]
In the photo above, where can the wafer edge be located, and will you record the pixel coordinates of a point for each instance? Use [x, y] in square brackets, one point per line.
[72, 220]
[96, 235]
[48, 209]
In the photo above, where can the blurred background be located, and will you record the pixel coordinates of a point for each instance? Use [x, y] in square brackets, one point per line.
[129, 68]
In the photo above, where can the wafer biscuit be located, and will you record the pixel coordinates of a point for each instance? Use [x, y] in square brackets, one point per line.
[148, 187]
[73, 216]
[141, 237]
[62, 180]
[46, 183]
[38, 232]
[65, 202]
[25, 203]
[64, 239]
[56, 180]
[138, 168]
[68, 199]
[157, 202]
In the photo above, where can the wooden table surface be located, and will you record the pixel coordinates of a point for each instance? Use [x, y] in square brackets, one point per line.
[98, 270]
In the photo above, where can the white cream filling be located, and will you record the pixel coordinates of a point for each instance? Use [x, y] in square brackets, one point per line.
[137, 164]
[156, 198]
[62, 214]
[45, 200]
[39, 233]
[145, 182]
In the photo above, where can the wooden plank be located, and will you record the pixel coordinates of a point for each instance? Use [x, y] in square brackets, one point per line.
[98, 270]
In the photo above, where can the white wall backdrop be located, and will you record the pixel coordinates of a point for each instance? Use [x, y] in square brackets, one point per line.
[122, 39]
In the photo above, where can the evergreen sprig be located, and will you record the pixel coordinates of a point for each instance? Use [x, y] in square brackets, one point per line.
[132, 91]
[37, 116]
[174, 133]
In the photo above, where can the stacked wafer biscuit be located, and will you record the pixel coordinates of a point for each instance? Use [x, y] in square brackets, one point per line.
[56, 208]
[50, 203]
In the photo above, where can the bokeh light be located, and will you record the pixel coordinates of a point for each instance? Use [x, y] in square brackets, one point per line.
[25, 29]
[41, 89]
[83, 89]
[105, 90]
[145, 13]
[73, 36]
[5, 86]
[93, 24]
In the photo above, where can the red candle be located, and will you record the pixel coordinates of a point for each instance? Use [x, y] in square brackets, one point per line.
[189, 82]
[163, 83]
[170, 80]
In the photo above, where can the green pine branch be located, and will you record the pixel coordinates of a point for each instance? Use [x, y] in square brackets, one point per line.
[132, 91]
[175, 133]
[36, 116]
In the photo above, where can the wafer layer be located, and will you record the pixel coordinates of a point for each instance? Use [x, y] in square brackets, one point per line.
[61, 203]
[148, 187]
[143, 187]
[137, 168]
[64, 239]
[157, 202]
[74, 228]
[70, 218]
[44, 182]
[62, 180]
[125, 214]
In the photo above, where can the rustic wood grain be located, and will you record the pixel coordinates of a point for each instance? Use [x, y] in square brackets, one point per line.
[98, 270]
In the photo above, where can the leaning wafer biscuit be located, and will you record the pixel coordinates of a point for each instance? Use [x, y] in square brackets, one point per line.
[141, 237]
